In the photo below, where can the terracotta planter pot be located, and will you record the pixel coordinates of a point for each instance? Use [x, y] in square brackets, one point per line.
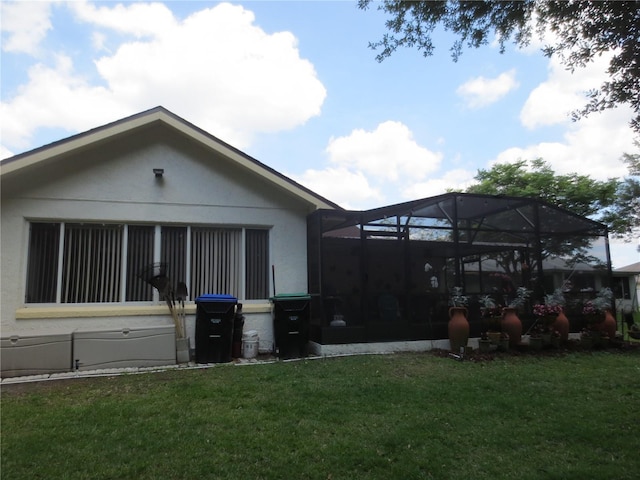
[458, 328]
[512, 325]
[562, 326]
[609, 326]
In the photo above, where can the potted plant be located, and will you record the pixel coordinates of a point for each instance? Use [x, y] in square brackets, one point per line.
[550, 314]
[535, 339]
[586, 338]
[491, 313]
[598, 313]
[595, 338]
[551, 307]
[561, 322]
[634, 331]
[546, 313]
[484, 344]
[511, 323]
[522, 294]
[590, 312]
[603, 299]
[458, 326]
[504, 342]
[457, 299]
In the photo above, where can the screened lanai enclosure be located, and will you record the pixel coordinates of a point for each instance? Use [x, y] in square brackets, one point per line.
[387, 274]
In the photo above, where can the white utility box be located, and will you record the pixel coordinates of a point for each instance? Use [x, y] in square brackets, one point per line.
[35, 354]
[127, 347]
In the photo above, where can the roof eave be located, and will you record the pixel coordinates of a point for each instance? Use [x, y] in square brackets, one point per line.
[107, 132]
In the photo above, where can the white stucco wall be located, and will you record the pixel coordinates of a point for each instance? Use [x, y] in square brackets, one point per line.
[115, 183]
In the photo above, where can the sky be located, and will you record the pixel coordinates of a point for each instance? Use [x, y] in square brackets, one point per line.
[295, 85]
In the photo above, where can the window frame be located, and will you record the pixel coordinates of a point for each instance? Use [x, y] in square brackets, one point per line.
[126, 277]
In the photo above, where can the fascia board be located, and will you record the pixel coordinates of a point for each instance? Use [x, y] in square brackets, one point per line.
[159, 114]
[78, 142]
[248, 163]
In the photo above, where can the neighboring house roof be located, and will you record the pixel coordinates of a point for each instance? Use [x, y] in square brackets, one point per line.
[549, 265]
[634, 268]
[555, 264]
[18, 163]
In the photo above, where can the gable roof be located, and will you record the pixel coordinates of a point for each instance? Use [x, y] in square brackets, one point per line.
[633, 268]
[110, 131]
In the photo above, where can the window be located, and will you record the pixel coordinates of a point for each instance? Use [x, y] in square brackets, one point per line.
[216, 260]
[257, 268]
[91, 263]
[140, 242]
[173, 244]
[42, 268]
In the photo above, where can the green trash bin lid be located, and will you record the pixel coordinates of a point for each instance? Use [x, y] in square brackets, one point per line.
[290, 296]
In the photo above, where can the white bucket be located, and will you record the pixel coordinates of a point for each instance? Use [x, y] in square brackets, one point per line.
[249, 348]
[250, 344]
[250, 335]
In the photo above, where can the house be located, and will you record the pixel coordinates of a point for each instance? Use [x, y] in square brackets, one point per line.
[83, 216]
[627, 288]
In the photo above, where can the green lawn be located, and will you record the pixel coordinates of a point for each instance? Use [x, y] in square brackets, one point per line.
[405, 416]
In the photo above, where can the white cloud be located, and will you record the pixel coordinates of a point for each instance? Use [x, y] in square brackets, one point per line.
[138, 19]
[56, 97]
[592, 146]
[624, 253]
[5, 152]
[553, 100]
[24, 25]
[348, 189]
[457, 179]
[480, 91]
[98, 41]
[372, 168]
[389, 152]
[215, 68]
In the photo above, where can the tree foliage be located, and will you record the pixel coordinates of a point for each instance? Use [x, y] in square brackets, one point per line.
[583, 30]
[623, 217]
[578, 193]
[613, 202]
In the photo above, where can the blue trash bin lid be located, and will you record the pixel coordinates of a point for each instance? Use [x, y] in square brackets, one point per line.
[214, 297]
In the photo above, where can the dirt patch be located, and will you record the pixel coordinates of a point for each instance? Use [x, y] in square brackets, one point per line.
[44, 386]
[523, 350]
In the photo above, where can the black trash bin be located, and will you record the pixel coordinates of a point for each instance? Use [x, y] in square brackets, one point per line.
[214, 327]
[291, 324]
